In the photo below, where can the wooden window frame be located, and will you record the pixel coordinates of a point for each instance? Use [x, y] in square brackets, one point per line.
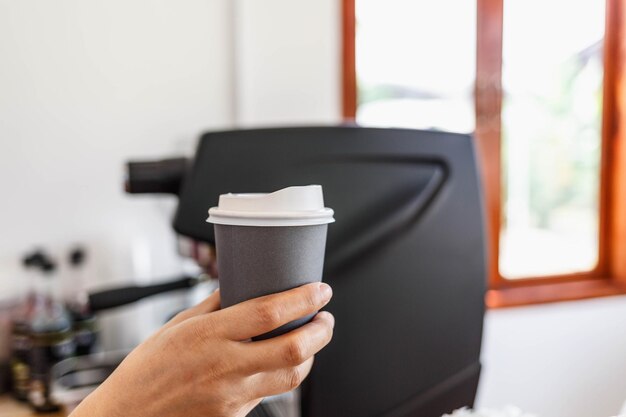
[348, 53]
[609, 276]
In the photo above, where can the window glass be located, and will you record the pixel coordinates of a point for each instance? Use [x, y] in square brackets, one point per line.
[416, 63]
[551, 131]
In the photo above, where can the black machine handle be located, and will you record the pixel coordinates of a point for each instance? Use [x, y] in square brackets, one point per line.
[103, 300]
[161, 177]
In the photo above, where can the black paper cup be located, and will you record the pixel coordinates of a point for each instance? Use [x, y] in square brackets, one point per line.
[269, 243]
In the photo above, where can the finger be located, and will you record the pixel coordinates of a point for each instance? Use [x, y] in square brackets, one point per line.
[280, 380]
[261, 315]
[208, 305]
[290, 349]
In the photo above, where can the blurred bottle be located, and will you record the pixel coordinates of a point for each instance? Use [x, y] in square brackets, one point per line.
[20, 340]
[50, 331]
[8, 303]
[84, 321]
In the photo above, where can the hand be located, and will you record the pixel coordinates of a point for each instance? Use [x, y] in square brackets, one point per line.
[202, 363]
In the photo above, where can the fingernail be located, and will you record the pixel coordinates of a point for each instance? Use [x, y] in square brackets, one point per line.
[325, 315]
[332, 321]
[326, 291]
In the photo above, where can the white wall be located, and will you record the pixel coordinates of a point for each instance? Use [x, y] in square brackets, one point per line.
[287, 62]
[559, 360]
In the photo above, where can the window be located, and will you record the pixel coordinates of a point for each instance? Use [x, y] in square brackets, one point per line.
[540, 84]
[551, 137]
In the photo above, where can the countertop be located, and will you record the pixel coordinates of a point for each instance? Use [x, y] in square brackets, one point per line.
[11, 408]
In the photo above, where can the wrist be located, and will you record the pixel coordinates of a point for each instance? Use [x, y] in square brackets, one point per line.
[100, 403]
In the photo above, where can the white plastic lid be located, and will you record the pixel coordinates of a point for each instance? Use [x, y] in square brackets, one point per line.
[291, 206]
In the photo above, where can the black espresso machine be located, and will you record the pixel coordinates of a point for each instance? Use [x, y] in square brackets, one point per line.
[406, 257]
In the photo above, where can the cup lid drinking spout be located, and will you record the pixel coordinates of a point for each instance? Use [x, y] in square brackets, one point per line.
[291, 206]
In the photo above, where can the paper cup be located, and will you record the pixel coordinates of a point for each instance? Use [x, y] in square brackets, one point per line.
[268, 243]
